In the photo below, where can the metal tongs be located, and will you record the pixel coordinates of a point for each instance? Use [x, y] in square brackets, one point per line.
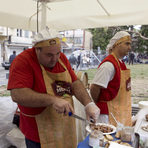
[80, 118]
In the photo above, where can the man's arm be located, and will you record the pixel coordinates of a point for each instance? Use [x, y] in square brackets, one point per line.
[104, 75]
[95, 92]
[29, 98]
[92, 111]
[80, 92]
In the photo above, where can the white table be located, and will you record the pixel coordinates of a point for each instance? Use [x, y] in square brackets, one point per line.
[141, 121]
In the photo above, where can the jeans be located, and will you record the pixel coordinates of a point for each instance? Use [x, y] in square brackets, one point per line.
[32, 144]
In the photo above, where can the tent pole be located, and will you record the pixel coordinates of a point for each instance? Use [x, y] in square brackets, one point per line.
[43, 15]
[103, 8]
[95, 56]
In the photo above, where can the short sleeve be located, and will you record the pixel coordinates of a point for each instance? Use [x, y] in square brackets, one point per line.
[20, 74]
[104, 74]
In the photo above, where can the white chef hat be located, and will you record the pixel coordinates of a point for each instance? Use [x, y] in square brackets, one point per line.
[46, 37]
[118, 38]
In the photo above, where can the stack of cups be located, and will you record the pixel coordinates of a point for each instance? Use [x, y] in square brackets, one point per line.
[96, 139]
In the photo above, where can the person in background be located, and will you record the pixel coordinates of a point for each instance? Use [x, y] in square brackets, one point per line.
[42, 83]
[12, 57]
[73, 61]
[111, 86]
[79, 60]
[131, 58]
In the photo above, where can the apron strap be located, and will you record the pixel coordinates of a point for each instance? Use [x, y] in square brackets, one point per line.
[116, 60]
[60, 61]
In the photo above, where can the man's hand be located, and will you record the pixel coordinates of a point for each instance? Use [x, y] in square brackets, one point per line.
[62, 106]
[92, 111]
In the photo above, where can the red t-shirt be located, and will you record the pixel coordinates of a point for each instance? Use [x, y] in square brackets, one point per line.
[25, 72]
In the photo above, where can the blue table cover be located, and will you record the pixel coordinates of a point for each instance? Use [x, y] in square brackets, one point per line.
[85, 142]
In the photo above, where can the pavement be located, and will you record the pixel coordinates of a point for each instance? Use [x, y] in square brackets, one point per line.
[3, 76]
[7, 110]
[8, 107]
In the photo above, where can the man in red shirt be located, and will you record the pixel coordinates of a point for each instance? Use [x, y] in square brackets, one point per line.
[42, 82]
[111, 85]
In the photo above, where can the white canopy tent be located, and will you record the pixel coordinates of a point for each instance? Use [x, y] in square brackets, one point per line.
[74, 14]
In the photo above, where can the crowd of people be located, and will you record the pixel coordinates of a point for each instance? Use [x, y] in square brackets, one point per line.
[84, 60]
[87, 60]
[42, 83]
[135, 58]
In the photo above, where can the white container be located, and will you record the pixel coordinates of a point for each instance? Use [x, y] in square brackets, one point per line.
[143, 104]
[95, 139]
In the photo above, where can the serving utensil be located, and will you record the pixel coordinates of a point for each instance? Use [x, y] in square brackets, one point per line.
[117, 122]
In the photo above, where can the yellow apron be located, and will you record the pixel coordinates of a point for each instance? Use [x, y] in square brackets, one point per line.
[120, 106]
[56, 130]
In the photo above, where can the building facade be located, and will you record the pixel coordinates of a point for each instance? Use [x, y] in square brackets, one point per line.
[77, 40]
[13, 39]
[19, 40]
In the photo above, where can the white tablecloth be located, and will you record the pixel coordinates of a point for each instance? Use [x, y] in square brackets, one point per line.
[80, 125]
[141, 121]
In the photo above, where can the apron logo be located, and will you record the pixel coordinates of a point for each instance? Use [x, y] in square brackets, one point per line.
[128, 84]
[52, 42]
[61, 88]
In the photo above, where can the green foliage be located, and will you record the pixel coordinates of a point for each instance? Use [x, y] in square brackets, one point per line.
[138, 71]
[139, 76]
[99, 38]
[102, 36]
[143, 44]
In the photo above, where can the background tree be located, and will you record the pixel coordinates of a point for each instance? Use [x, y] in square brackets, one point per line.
[143, 44]
[101, 37]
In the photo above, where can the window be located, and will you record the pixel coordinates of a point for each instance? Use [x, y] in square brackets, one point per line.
[19, 32]
[78, 40]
